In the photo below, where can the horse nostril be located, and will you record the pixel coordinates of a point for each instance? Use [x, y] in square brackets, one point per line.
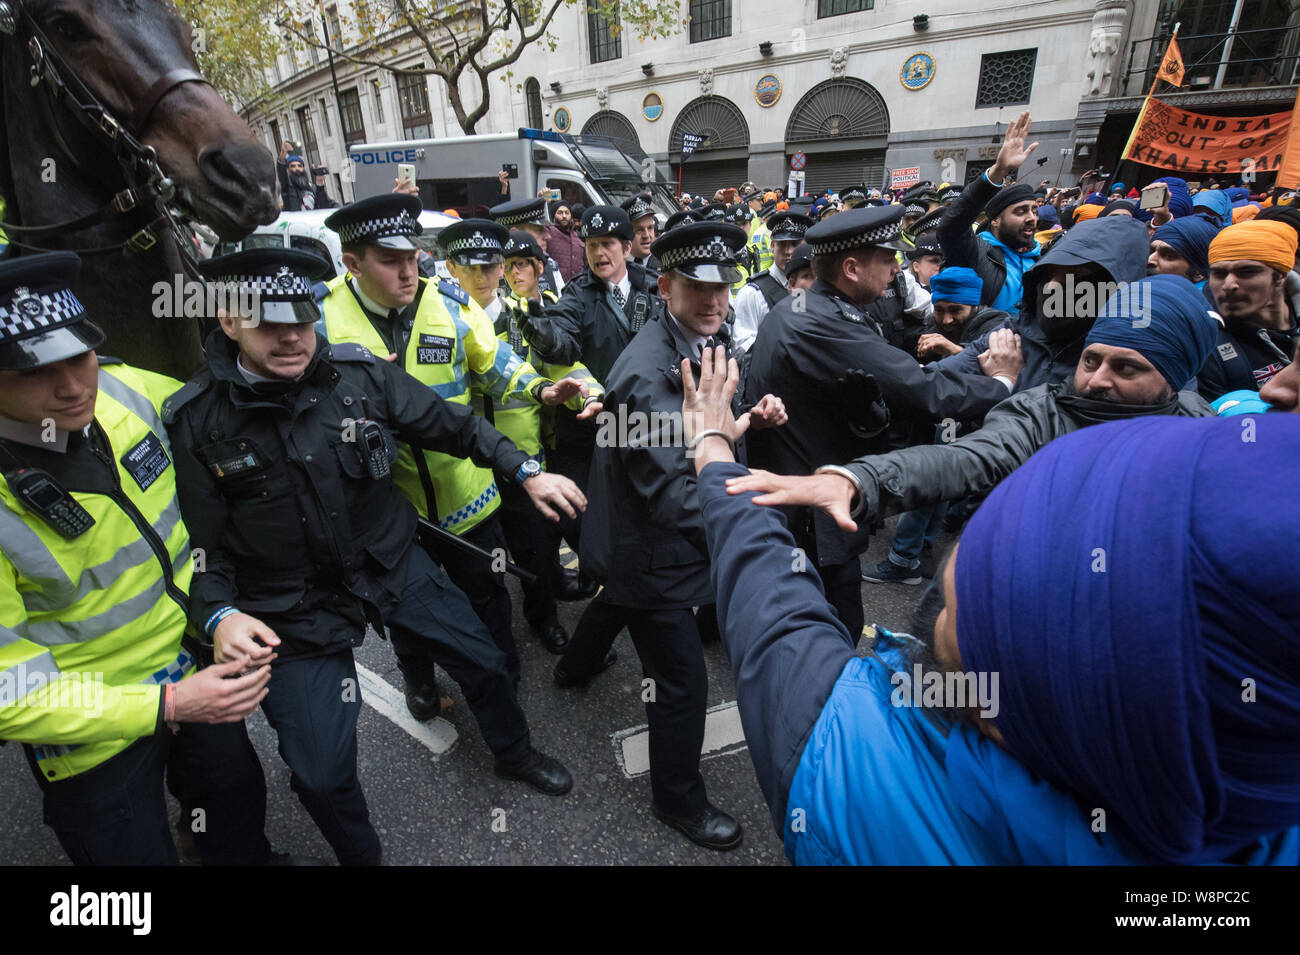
[238, 168]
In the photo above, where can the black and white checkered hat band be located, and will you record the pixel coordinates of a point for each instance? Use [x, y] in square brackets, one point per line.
[914, 209]
[370, 229]
[285, 287]
[478, 242]
[852, 195]
[882, 234]
[789, 230]
[519, 218]
[28, 314]
[714, 252]
[639, 208]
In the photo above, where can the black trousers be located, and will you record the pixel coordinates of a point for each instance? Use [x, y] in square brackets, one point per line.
[486, 590]
[668, 643]
[534, 542]
[843, 586]
[433, 623]
[116, 813]
[313, 705]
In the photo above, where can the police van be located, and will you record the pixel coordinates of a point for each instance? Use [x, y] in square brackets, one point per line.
[460, 172]
[306, 230]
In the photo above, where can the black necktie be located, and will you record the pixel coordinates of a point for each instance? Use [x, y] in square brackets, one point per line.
[619, 296]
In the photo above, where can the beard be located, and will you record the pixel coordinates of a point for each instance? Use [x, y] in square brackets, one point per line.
[300, 181]
[1098, 394]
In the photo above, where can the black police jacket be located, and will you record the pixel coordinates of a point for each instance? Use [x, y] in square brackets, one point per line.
[643, 534]
[802, 356]
[288, 523]
[587, 325]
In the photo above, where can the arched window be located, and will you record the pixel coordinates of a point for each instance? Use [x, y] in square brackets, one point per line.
[838, 109]
[533, 101]
[613, 126]
[715, 118]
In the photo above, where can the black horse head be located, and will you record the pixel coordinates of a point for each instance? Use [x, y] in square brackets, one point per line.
[127, 54]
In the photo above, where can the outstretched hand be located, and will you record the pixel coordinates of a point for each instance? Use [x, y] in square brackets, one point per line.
[1014, 152]
[830, 492]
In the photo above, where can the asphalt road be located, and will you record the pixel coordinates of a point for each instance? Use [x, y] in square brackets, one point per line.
[449, 809]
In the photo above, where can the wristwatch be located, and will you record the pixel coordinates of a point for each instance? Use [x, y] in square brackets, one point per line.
[529, 468]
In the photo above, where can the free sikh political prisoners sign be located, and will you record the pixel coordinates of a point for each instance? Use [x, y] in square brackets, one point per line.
[1186, 142]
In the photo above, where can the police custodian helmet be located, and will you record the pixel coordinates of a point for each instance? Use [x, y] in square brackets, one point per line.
[41, 321]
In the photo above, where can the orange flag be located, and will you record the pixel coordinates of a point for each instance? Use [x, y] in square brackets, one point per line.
[1171, 67]
[1289, 175]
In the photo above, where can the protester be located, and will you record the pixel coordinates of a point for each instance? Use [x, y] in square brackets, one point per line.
[1182, 247]
[565, 245]
[1249, 263]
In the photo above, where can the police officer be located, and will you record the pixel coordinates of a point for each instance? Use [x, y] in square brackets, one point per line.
[478, 265]
[852, 196]
[767, 288]
[642, 214]
[823, 358]
[747, 262]
[95, 568]
[440, 336]
[600, 312]
[285, 446]
[530, 216]
[645, 540]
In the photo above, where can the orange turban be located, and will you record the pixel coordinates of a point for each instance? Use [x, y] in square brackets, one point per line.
[1085, 212]
[1245, 213]
[1264, 240]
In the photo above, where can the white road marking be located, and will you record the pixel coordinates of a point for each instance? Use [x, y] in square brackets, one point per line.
[723, 736]
[437, 735]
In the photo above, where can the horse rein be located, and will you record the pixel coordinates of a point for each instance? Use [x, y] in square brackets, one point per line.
[132, 156]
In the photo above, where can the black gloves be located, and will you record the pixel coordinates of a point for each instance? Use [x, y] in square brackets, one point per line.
[540, 335]
[864, 406]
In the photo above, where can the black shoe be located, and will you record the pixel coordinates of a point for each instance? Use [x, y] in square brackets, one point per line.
[423, 699]
[564, 678]
[538, 770]
[711, 828]
[551, 635]
[574, 585]
[887, 572]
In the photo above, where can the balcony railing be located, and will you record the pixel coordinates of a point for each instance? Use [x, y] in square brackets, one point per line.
[1242, 58]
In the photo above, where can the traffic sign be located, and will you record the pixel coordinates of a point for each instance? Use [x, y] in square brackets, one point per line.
[798, 161]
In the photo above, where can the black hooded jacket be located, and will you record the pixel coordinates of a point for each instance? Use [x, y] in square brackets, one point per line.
[1119, 244]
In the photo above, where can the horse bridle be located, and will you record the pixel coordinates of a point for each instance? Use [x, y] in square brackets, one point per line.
[147, 186]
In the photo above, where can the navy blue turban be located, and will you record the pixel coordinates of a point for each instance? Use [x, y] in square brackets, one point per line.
[1237, 195]
[1048, 217]
[1180, 197]
[1164, 318]
[1125, 593]
[957, 284]
[1190, 237]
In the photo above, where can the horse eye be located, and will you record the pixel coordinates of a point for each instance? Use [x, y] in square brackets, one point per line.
[70, 27]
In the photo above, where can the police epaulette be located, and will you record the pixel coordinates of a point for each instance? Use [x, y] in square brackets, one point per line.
[108, 360]
[189, 391]
[452, 291]
[350, 351]
[321, 291]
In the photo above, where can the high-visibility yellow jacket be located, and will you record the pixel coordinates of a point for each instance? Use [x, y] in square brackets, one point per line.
[451, 347]
[526, 423]
[91, 627]
[761, 242]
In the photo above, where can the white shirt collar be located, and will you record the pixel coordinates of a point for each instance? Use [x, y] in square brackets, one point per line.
[252, 377]
[779, 276]
[493, 308]
[366, 300]
[24, 432]
[697, 342]
[625, 286]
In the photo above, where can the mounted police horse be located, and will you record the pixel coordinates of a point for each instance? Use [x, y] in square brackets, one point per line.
[111, 140]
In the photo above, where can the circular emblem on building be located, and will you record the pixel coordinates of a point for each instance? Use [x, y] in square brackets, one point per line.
[652, 107]
[917, 71]
[767, 91]
[562, 119]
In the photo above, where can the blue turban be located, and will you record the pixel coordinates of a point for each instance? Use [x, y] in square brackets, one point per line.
[1164, 318]
[1118, 186]
[1190, 237]
[1216, 203]
[1048, 217]
[1124, 594]
[1180, 197]
[1238, 195]
[293, 157]
[957, 284]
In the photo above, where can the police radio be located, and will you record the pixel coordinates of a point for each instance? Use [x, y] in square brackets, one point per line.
[374, 449]
[50, 501]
